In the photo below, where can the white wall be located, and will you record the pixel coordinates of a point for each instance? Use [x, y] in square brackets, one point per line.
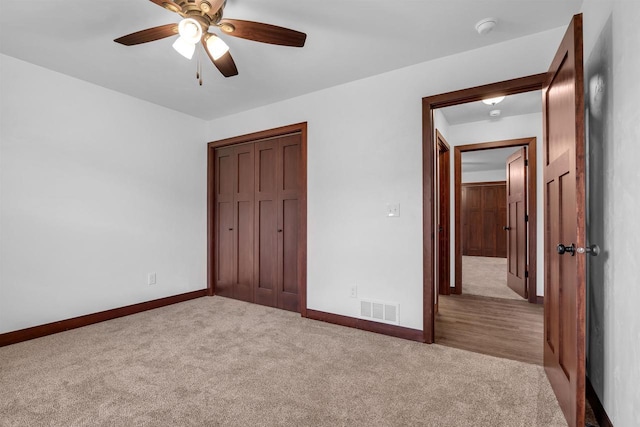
[484, 176]
[364, 152]
[512, 127]
[96, 190]
[612, 37]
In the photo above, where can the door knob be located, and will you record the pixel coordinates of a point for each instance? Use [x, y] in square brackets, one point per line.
[562, 249]
[231, 229]
[279, 231]
[592, 250]
[505, 228]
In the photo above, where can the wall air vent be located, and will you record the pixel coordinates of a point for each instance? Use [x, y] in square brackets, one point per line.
[379, 311]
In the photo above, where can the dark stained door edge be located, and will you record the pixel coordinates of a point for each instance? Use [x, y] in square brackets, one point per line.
[89, 319]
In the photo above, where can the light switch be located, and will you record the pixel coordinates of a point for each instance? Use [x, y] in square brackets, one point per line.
[393, 209]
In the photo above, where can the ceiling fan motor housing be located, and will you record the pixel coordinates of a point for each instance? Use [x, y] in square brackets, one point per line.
[203, 10]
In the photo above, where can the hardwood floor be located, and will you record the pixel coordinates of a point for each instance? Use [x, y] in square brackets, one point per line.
[498, 327]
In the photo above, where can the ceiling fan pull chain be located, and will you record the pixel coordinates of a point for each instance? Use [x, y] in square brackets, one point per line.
[199, 70]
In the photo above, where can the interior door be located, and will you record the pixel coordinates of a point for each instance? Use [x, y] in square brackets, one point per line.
[516, 227]
[277, 223]
[266, 222]
[564, 205]
[288, 228]
[234, 221]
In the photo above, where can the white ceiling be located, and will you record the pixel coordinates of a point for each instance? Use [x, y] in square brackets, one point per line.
[346, 40]
[486, 160]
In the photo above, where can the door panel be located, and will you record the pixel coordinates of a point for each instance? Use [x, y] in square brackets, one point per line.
[244, 251]
[266, 248]
[244, 210]
[290, 247]
[224, 221]
[564, 206]
[289, 153]
[517, 226]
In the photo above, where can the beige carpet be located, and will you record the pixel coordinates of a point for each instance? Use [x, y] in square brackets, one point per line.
[216, 361]
[486, 276]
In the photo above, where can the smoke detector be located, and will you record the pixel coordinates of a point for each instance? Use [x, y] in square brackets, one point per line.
[486, 25]
[494, 113]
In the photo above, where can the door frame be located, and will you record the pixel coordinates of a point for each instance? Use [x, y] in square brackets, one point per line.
[429, 180]
[300, 128]
[532, 225]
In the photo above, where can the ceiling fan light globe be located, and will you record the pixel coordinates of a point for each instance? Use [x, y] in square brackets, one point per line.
[216, 46]
[184, 48]
[190, 30]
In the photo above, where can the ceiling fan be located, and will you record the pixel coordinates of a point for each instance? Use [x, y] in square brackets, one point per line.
[198, 16]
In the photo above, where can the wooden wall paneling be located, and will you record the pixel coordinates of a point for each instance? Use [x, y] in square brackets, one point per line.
[483, 211]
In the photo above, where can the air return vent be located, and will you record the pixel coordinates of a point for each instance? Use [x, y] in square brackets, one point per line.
[379, 311]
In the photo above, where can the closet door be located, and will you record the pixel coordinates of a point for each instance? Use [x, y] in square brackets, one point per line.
[276, 222]
[288, 199]
[234, 216]
[224, 178]
[266, 222]
[244, 195]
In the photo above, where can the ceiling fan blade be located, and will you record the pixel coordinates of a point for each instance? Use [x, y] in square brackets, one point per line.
[148, 35]
[225, 65]
[264, 33]
[168, 4]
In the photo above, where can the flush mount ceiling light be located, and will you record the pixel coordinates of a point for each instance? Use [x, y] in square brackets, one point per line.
[486, 25]
[493, 101]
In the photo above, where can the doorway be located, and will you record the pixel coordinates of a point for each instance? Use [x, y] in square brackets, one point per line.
[430, 104]
[514, 228]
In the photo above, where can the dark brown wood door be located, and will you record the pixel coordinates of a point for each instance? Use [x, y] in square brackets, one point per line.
[516, 227]
[276, 222]
[224, 221]
[288, 209]
[266, 223]
[234, 217]
[564, 206]
[483, 217]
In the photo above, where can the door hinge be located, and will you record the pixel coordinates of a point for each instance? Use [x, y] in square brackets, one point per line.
[526, 218]
[526, 162]
[526, 274]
